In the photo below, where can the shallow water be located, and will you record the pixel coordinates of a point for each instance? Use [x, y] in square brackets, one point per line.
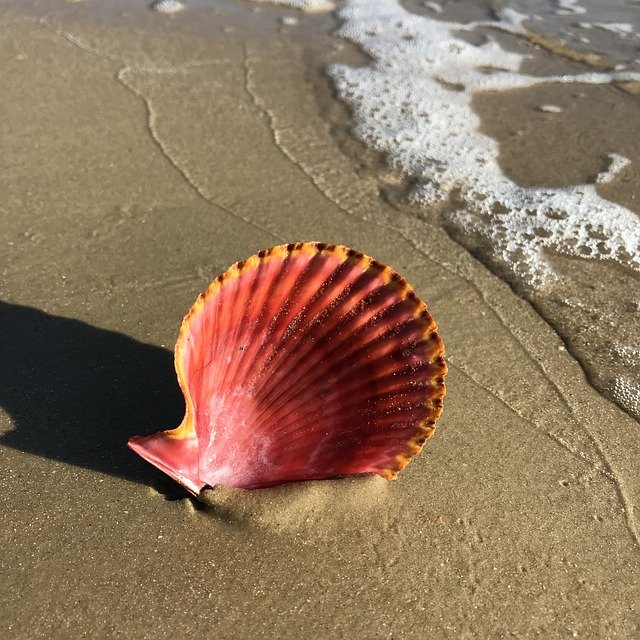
[418, 102]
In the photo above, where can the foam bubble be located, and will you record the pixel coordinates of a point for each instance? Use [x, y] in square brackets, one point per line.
[168, 6]
[623, 29]
[627, 393]
[550, 108]
[434, 6]
[628, 354]
[310, 6]
[567, 7]
[616, 164]
[626, 389]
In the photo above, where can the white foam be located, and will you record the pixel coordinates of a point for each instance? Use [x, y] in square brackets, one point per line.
[628, 354]
[616, 164]
[434, 6]
[550, 108]
[310, 6]
[168, 6]
[509, 18]
[626, 392]
[289, 21]
[623, 29]
[413, 102]
[565, 7]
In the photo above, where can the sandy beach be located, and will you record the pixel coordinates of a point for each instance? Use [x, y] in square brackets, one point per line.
[142, 155]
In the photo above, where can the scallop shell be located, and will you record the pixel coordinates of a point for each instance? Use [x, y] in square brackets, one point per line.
[306, 361]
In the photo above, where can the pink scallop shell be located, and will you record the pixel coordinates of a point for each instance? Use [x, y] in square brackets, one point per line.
[304, 362]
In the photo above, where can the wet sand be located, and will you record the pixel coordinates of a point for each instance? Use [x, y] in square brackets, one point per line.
[141, 158]
[594, 304]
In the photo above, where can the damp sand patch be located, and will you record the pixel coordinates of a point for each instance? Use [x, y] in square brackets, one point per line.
[580, 142]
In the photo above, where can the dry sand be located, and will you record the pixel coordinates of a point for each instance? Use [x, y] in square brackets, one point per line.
[140, 158]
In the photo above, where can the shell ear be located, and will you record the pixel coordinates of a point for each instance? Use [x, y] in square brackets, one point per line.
[174, 452]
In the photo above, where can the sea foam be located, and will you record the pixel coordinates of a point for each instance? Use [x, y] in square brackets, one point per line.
[413, 102]
[310, 6]
[568, 7]
[168, 6]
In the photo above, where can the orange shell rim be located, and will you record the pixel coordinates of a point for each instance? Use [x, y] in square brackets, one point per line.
[426, 427]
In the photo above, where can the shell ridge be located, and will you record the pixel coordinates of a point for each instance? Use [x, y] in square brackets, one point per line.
[212, 320]
[278, 320]
[334, 284]
[345, 390]
[195, 325]
[320, 374]
[351, 366]
[207, 421]
[348, 406]
[258, 302]
[232, 339]
[205, 374]
[316, 369]
[209, 408]
[339, 331]
[318, 327]
[257, 347]
[394, 330]
[271, 359]
[286, 320]
[294, 334]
